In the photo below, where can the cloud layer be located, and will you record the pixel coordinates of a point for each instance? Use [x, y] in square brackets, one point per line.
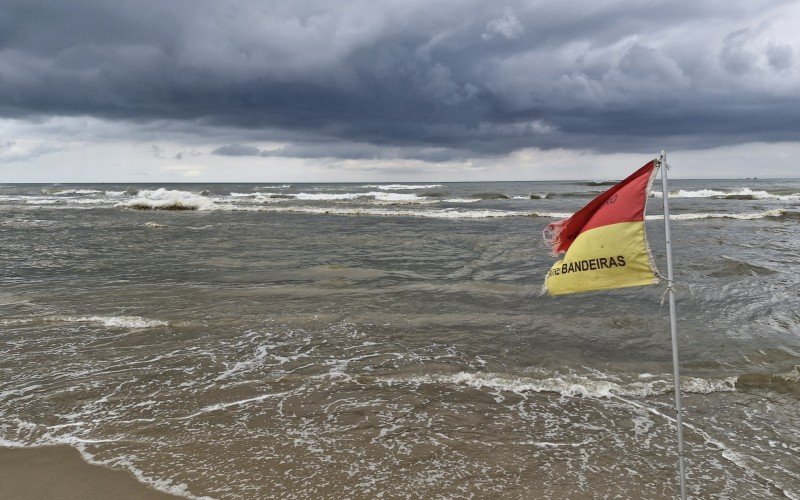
[434, 81]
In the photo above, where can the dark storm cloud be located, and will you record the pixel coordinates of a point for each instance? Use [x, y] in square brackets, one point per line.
[430, 80]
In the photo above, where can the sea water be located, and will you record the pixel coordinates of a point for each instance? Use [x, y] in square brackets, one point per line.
[385, 339]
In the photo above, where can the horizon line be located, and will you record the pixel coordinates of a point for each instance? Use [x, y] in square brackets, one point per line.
[392, 182]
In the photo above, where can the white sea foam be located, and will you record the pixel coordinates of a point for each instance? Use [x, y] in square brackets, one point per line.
[251, 198]
[745, 193]
[707, 386]
[549, 215]
[399, 187]
[87, 201]
[165, 485]
[738, 459]
[17, 393]
[723, 215]
[445, 213]
[41, 201]
[551, 444]
[395, 197]
[74, 191]
[110, 321]
[567, 385]
[124, 461]
[32, 199]
[327, 196]
[121, 321]
[376, 195]
[169, 199]
[165, 199]
[240, 402]
[5, 443]
[463, 200]
[163, 193]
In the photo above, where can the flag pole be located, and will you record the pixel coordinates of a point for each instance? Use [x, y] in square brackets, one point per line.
[673, 331]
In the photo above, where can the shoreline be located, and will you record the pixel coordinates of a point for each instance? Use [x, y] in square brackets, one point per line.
[60, 471]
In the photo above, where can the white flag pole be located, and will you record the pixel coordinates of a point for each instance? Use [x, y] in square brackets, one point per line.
[673, 331]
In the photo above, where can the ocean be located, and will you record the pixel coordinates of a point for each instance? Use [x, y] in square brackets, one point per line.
[383, 340]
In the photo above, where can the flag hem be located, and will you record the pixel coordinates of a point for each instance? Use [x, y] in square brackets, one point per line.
[656, 274]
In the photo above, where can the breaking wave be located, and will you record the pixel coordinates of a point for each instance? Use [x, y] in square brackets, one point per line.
[600, 183]
[267, 197]
[772, 214]
[380, 196]
[576, 194]
[568, 385]
[109, 321]
[376, 195]
[376, 202]
[399, 187]
[490, 196]
[127, 192]
[168, 199]
[41, 201]
[785, 383]
[582, 386]
[452, 213]
[65, 192]
[326, 196]
[445, 213]
[176, 200]
[739, 194]
[162, 205]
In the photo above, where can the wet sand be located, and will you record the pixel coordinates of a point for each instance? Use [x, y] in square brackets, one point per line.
[60, 472]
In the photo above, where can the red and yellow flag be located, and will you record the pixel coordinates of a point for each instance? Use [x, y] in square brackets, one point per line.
[604, 243]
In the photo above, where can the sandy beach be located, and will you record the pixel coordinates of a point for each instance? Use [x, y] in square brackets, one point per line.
[60, 472]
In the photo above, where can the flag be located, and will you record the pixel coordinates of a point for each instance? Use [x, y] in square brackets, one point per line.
[604, 243]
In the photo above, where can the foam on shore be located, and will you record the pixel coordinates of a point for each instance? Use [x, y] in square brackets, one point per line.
[61, 472]
[568, 385]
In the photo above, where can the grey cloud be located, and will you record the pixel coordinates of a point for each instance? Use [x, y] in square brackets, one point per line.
[350, 150]
[507, 25]
[180, 155]
[428, 80]
[779, 56]
[236, 150]
[734, 57]
[11, 150]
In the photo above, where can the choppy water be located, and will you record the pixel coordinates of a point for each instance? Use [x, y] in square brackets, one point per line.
[365, 340]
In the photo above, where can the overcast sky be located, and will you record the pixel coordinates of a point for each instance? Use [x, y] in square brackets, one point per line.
[147, 91]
